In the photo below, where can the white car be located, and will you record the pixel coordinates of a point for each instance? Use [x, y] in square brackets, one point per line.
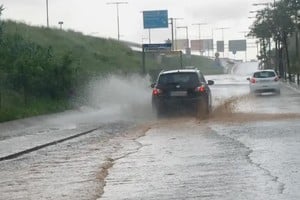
[264, 81]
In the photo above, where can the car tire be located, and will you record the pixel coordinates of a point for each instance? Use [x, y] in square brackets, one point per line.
[160, 112]
[202, 111]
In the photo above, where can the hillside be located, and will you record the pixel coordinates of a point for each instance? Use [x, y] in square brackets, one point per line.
[98, 55]
[92, 53]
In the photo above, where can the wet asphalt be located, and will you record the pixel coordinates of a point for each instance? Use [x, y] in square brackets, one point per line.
[191, 160]
[247, 149]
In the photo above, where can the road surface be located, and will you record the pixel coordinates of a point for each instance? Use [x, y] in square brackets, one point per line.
[247, 149]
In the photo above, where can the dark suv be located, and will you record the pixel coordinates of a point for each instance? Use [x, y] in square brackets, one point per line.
[182, 88]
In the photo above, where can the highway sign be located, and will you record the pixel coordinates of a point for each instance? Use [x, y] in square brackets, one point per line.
[157, 47]
[202, 45]
[237, 45]
[181, 44]
[220, 46]
[155, 19]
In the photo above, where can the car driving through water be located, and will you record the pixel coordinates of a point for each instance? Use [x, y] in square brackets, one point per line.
[182, 89]
[263, 81]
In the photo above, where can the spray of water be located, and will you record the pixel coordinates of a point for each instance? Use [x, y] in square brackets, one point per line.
[129, 95]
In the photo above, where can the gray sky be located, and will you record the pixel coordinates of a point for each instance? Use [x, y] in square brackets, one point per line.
[96, 17]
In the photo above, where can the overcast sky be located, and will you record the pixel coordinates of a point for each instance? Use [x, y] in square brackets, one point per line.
[97, 18]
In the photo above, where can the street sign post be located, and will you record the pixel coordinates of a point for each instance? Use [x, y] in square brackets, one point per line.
[162, 48]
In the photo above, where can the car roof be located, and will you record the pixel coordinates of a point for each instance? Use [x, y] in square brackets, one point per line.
[180, 71]
[265, 70]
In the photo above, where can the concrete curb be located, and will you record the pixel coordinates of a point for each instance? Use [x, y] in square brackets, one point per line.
[37, 146]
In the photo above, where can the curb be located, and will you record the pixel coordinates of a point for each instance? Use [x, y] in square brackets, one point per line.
[292, 86]
[18, 154]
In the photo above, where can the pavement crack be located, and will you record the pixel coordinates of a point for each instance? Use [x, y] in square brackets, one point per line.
[258, 165]
[267, 172]
[101, 176]
[110, 162]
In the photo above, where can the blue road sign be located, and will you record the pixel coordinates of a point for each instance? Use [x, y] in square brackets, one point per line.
[155, 19]
[157, 47]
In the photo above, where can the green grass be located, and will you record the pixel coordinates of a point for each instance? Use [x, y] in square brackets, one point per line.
[97, 55]
[13, 106]
[92, 54]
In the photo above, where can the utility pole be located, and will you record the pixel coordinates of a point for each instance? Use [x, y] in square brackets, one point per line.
[223, 28]
[117, 3]
[173, 31]
[199, 33]
[187, 37]
[47, 13]
[297, 43]
[245, 36]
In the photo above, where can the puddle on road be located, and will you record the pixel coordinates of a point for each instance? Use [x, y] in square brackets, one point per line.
[230, 111]
[238, 109]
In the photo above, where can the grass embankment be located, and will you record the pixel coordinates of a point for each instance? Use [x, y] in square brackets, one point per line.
[87, 57]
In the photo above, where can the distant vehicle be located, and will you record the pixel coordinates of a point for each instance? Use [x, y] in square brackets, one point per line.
[264, 81]
[182, 88]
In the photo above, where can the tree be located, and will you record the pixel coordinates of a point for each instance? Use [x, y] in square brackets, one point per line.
[1, 33]
[277, 23]
[1, 24]
[262, 30]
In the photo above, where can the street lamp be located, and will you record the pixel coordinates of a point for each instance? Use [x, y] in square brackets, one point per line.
[199, 32]
[173, 24]
[186, 33]
[60, 24]
[245, 36]
[261, 4]
[47, 13]
[223, 28]
[187, 50]
[118, 19]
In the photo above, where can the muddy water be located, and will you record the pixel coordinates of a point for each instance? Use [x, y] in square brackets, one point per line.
[243, 109]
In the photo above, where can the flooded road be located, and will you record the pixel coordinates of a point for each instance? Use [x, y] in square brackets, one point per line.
[247, 149]
[192, 160]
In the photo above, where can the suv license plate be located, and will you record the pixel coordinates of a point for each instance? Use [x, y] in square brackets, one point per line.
[178, 93]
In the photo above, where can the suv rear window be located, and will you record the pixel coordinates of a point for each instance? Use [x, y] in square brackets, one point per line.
[264, 74]
[178, 78]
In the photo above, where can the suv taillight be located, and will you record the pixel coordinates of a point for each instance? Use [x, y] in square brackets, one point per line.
[200, 89]
[156, 92]
[252, 80]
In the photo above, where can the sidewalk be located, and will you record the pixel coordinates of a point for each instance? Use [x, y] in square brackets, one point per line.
[292, 85]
